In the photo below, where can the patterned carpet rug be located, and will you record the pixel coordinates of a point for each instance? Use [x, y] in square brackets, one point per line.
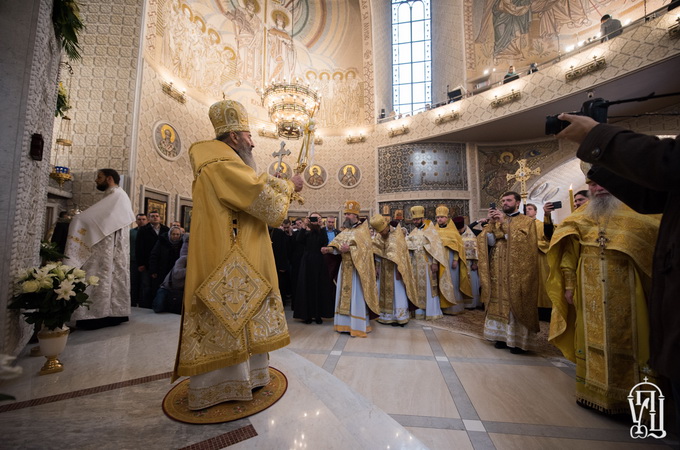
[471, 323]
[175, 403]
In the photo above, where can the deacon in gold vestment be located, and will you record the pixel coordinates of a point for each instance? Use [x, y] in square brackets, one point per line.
[457, 264]
[233, 314]
[395, 277]
[435, 287]
[600, 270]
[356, 285]
[508, 276]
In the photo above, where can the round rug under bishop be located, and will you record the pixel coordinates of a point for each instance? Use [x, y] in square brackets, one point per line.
[175, 402]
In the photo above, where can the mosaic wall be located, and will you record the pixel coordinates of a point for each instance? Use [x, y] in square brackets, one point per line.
[31, 85]
[421, 167]
[456, 207]
[495, 162]
[531, 30]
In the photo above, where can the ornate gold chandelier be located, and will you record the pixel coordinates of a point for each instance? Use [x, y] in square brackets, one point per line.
[290, 106]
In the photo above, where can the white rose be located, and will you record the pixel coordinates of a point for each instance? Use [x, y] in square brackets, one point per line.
[30, 286]
[93, 281]
[46, 283]
[79, 273]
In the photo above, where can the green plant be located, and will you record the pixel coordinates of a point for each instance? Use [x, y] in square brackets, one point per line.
[50, 252]
[49, 295]
[67, 26]
[62, 101]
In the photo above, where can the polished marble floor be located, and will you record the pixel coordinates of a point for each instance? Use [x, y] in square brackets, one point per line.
[415, 387]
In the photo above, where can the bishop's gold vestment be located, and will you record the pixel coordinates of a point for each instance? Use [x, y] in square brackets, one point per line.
[394, 255]
[453, 240]
[359, 258]
[232, 306]
[427, 247]
[607, 263]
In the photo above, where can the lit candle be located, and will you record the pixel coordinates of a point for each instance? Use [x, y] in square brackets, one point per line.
[571, 198]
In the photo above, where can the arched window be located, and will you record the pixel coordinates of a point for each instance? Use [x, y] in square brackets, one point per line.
[411, 55]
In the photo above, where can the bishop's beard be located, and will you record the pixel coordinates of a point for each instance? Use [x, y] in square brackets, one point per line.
[602, 206]
[248, 159]
[347, 223]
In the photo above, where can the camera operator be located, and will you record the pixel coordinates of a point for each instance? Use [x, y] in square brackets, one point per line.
[644, 172]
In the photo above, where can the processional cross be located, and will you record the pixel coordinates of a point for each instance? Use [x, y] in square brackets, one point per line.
[522, 174]
[602, 241]
[283, 151]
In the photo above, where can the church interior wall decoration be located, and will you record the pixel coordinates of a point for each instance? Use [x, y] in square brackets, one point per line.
[315, 176]
[349, 175]
[284, 170]
[152, 204]
[166, 141]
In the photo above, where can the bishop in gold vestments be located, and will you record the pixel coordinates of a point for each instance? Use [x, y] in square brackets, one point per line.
[508, 276]
[357, 288]
[457, 264]
[395, 277]
[233, 314]
[428, 256]
[600, 270]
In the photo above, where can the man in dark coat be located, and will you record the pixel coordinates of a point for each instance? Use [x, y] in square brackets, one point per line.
[282, 243]
[146, 240]
[644, 172]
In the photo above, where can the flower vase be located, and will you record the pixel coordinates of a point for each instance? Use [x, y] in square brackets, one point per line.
[52, 343]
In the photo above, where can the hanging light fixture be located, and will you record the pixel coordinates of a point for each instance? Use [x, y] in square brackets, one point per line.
[61, 171]
[290, 104]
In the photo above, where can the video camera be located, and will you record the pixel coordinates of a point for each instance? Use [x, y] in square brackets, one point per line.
[595, 108]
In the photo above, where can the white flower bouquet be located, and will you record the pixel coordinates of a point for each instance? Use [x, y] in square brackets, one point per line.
[49, 295]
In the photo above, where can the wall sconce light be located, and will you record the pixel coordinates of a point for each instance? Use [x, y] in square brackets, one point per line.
[172, 91]
[268, 133]
[355, 139]
[444, 118]
[399, 131]
[674, 30]
[505, 99]
[584, 69]
[318, 140]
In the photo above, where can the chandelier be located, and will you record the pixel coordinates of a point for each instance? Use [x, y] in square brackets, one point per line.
[290, 106]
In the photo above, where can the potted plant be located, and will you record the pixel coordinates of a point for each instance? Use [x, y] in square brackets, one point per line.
[47, 297]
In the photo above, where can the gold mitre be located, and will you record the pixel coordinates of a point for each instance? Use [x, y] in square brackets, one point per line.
[378, 222]
[351, 207]
[417, 212]
[227, 116]
[442, 211]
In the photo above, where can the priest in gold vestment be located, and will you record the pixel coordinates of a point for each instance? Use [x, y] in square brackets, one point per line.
[232, 314]
[435, 287]
[471, 257]
[356, 286]
[508, 276]
[395, 277]
[457, 264]
[600, 271]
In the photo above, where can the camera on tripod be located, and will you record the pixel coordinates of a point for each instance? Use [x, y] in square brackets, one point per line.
[596, 109]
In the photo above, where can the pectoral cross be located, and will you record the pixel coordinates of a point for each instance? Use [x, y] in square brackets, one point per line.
[522, 175]
[283, 151]
[602, 241]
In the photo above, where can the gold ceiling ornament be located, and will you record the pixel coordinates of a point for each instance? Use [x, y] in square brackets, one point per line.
[290, 106]
[522, 174]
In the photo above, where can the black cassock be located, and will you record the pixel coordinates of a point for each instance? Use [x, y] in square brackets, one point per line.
[314, 296]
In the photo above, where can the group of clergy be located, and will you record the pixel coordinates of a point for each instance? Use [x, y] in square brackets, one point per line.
[393, 275]
[594, 272]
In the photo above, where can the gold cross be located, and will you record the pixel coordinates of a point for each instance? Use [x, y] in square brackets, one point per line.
[522, 174]
[602, 241]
